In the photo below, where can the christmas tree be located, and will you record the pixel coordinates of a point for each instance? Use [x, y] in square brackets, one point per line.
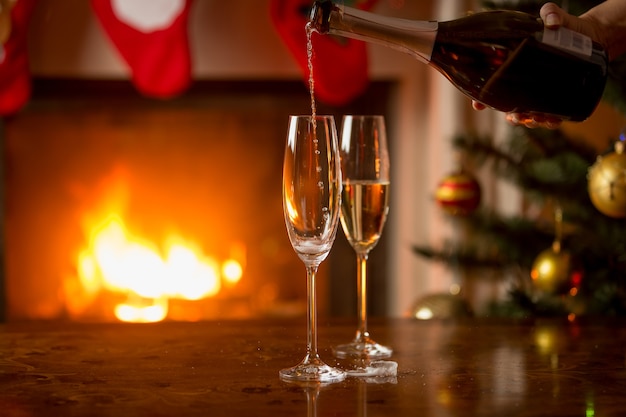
[570, 259]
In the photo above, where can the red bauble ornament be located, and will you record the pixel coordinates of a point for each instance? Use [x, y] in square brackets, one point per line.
[458, 193]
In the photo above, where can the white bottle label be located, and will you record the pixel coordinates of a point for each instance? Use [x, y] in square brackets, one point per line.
[568, 40]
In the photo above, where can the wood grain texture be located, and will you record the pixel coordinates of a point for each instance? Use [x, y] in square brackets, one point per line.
[230, 368]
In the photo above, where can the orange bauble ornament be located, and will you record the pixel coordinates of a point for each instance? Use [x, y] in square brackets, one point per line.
[458, 193]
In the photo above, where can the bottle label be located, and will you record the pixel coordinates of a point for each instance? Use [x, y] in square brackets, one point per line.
[568, 40]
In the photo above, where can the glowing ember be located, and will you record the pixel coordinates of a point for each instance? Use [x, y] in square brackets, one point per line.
[120, 262]
[147, 314]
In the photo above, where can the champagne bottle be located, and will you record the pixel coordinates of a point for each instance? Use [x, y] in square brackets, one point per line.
[503, 59]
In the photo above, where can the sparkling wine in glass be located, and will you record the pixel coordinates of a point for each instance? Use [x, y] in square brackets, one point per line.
[364, 207]
[311, 205]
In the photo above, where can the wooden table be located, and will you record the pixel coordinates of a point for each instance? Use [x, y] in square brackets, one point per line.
[230, 368]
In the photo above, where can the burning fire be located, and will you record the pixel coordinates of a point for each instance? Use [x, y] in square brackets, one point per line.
[120, 262]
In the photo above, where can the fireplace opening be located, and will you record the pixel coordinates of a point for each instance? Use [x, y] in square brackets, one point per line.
[122, 208]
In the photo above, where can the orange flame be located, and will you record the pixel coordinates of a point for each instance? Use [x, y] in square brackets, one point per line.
[120, 262]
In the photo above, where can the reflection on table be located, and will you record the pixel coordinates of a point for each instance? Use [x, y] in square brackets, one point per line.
[445, 368]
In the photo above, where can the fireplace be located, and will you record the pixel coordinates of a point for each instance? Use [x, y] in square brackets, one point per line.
[119, 207]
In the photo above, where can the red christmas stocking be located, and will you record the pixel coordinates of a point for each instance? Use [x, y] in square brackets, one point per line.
[151, 36]
[15, 81]
[340, 66]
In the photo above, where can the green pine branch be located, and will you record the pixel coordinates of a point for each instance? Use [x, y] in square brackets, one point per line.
[497, 242]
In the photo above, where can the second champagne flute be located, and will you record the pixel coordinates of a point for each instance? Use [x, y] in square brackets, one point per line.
[364, 207]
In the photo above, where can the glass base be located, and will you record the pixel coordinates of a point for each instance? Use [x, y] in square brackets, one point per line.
[312, 372]
[367, 349]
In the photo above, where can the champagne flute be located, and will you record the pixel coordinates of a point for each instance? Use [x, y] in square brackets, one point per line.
[311, 199]
[364, 207]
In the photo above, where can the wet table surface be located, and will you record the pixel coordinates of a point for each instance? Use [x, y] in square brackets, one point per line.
[230, 368]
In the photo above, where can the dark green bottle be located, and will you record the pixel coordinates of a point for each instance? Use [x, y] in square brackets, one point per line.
[503, 59]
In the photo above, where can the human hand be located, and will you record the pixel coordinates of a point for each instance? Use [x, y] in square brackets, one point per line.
[530, 120]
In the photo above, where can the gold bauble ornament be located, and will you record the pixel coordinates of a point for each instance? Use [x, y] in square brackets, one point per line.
[554, 271]
[607, 183]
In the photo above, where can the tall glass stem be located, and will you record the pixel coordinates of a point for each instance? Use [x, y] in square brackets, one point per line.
[311, 319]
[361, 259]
[312, 368]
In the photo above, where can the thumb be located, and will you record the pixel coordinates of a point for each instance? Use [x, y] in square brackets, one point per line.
[553, 17]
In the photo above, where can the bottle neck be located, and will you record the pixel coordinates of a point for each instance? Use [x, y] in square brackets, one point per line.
[415, 37]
